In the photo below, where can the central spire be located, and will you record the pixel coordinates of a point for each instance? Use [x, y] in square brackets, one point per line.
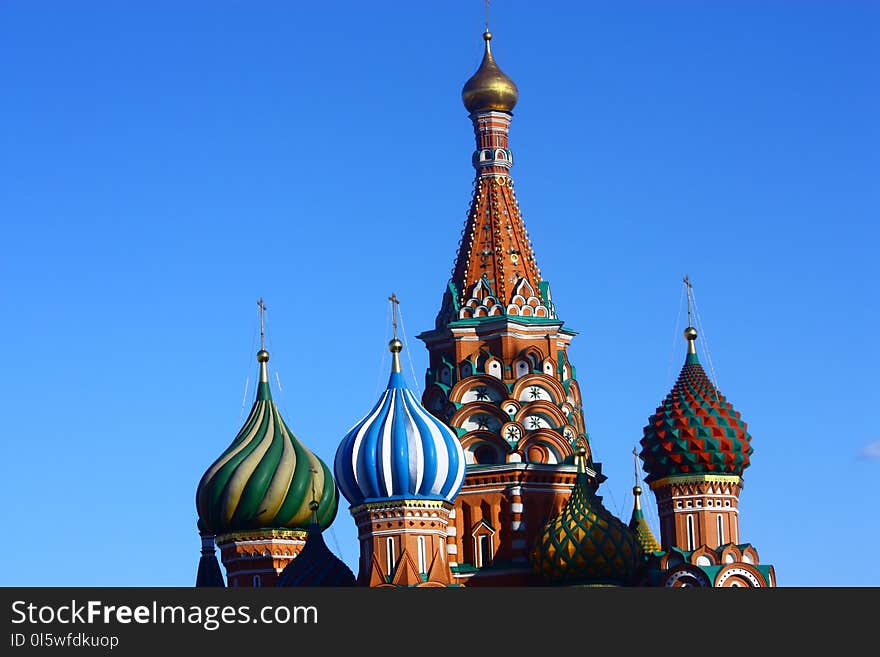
[495, 271]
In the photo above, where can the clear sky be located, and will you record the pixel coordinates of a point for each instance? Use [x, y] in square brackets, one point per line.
[165, 163]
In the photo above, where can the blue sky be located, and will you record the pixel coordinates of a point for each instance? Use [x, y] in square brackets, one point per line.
[164, 164]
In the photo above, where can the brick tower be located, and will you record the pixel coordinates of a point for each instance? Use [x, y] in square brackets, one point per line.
[695, 449]
[400, 468]
[254, 500]
[499, 373]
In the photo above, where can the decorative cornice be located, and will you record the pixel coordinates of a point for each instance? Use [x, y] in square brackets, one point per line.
[262, 534]
[401, 504]
[697, 478]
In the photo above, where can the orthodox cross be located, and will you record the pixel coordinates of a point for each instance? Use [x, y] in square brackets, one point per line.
[688, 285]
[636, 465]
[395, 302]
[262, 307]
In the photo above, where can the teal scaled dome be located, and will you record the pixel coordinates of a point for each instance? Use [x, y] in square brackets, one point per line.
[266, 478]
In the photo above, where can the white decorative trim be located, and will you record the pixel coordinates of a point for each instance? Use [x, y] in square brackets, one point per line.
[439, 533]
[742, 572]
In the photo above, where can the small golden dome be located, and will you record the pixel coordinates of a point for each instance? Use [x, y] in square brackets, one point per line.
[489, 89]
[262, 356]
[395, 346]
[690, 333]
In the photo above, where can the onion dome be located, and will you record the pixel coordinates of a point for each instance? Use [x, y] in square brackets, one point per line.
[316, 565]
[585, 543]
[399, 450]
[696, 430]
[266, 477]
[639, 526]
[489, 89]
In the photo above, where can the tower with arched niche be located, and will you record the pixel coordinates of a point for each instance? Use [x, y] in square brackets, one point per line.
[400, 469]
[695, 449]
[499, 373]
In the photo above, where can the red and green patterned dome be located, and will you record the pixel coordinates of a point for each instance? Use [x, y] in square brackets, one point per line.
[695, 430]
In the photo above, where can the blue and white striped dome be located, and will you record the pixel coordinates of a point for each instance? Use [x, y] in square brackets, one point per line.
[399, 450]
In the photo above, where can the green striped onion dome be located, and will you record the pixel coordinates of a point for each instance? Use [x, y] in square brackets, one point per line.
[695, 430]
[585, 543]
[266, 478]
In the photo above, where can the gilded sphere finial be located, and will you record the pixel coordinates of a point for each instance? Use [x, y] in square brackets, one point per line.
[581, 451]
[395, 346]
[313, 505]
[262, 356]
[489, 89]
[690, 333]
[637, 490]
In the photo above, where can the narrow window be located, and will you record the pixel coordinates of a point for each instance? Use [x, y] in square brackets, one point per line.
[422, 565]
[690, 532]
[389, 547]
[258, 582]
[484, 550]
[720, 530]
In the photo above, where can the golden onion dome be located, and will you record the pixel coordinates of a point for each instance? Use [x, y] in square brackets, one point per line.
[489, 89]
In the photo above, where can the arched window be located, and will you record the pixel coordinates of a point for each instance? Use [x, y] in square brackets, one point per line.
[258, 582]
[390, 557]
[484, 547]
[486, 454]
[494, 369]
[423, 568]
[484, 550]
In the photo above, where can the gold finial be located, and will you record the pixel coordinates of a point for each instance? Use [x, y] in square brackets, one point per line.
[690, 333]
[395, 346]
[489, 89]
[580, 459]
[262, 354]
[637, 490]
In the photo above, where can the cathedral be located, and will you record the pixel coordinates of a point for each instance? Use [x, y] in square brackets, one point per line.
[489, 478]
